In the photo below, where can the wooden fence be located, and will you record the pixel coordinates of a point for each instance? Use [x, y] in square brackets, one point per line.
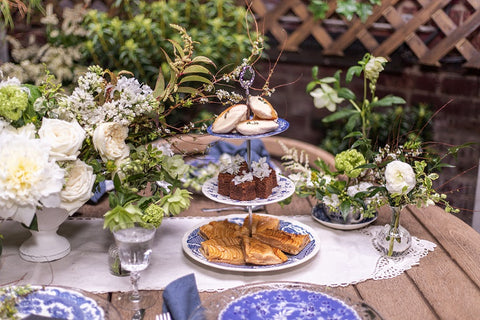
[434, 30]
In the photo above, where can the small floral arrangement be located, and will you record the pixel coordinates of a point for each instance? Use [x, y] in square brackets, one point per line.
[366, 177]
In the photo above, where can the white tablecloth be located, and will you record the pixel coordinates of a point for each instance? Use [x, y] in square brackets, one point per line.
[344, 257]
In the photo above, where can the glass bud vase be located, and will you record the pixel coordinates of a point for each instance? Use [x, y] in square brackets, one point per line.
[393, 240]
[114, 263]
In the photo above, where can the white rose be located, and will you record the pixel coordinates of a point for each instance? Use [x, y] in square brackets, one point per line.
[78, 186]
[65, 138]
[400, 177]
[374, 67]
[109, 141]
[325, 97]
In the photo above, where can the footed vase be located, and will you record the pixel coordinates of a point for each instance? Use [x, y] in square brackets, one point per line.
[45, 244]
[393, 240]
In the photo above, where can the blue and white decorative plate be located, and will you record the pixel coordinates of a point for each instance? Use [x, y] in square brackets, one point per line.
[288, 304]
[281, 192]
[59, 303]
[191, 244]
[319, 215]
[282, 126]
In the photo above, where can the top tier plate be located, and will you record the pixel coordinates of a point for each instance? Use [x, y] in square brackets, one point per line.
[282, 126]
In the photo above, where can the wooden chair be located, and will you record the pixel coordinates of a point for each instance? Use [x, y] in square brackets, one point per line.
[192, 144]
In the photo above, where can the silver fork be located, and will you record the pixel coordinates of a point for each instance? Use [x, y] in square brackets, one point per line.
[163, 316]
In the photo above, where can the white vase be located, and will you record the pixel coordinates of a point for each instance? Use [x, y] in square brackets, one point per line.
[45, 244]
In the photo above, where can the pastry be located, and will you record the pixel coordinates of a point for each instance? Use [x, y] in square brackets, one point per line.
[261, 222]
[227, 250]
[259, 253]
[222, 229]
[288, 242]
[252, 127]
[229, 118]
[261, 108]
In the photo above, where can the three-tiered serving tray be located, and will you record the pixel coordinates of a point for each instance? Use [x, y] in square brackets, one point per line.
[285, 188]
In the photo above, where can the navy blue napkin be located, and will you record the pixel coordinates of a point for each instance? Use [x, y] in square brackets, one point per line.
[102, 188]
[257, 149]
[180, 297]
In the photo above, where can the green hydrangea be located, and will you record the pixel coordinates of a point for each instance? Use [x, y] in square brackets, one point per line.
[154, 215]
[348, 160]
[13, 102]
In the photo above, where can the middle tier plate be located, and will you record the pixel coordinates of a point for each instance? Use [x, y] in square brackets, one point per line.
[281, 192]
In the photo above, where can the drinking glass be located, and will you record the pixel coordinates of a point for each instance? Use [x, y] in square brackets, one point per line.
[134, 241]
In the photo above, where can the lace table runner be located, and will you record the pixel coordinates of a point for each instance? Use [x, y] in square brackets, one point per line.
[345, 257]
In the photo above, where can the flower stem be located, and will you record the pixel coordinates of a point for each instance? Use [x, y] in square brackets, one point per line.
[393, 230]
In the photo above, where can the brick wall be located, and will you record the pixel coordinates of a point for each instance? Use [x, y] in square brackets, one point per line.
[457, 123]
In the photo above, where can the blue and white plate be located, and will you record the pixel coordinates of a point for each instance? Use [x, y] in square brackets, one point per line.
[288, 304]
[59, 303]
[319, 215]
[281, 192]
[282, 126]
[191, 244]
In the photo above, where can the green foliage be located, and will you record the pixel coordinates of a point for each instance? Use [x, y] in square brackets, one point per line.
[345, 8]
[401, 123]
[25, 8]
[137, 42]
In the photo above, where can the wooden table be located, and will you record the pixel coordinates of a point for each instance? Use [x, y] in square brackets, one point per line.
[445, 285]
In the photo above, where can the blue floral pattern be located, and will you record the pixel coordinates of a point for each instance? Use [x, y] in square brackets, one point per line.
[60, 304]
[286, 304]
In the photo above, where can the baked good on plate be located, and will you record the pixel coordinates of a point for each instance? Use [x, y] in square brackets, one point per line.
[222, 229]
[253, 127]
[261, 222]
[229, 118]
[261, 108]
[288, 242]
[259, 253]
[242, 187]
[223, 250]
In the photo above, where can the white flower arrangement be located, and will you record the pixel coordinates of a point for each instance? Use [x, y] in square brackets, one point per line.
[43, 171]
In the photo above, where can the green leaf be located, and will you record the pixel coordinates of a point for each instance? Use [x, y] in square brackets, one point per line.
[315, 72]
[203, 59]
[346, 94]
[195, 78]
[159, 85]
[189, 90]
[310, 86]
[341, 114]
[354, 70]
[354, 134]
[388, 101]
[196, 69]
[328, 80]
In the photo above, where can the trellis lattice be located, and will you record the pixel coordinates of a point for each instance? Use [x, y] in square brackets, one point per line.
[386, 29]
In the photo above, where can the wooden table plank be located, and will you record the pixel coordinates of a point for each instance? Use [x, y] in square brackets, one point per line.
[459, 240]
[396, 298]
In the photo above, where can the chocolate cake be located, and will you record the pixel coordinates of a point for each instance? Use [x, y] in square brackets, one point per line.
[265, 178]
[242, 187]
[229, 168]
